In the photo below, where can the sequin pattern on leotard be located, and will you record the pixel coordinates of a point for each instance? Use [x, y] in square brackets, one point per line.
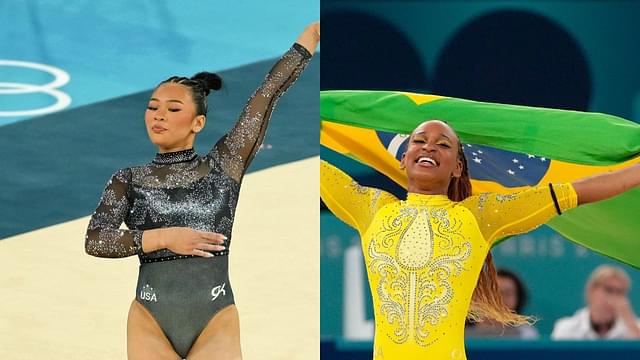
[185, 189]
[424, 255]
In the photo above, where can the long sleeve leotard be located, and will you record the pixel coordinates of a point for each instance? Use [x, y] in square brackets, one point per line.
[424, 255]
[185, 189]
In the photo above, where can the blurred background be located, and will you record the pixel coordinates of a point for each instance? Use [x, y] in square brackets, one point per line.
[75, 79]
[578, 55]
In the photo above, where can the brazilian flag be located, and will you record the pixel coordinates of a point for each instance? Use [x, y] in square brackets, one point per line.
[508, 149]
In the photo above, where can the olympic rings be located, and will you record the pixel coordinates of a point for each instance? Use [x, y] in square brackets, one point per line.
[61, 78]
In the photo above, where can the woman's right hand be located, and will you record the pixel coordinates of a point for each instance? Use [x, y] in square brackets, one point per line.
[183, 241]
[310, 37]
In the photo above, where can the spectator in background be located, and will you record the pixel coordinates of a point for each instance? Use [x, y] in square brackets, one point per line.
[514, 296]
[608, 314]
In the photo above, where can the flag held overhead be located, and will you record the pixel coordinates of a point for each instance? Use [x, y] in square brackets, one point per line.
[508, 147]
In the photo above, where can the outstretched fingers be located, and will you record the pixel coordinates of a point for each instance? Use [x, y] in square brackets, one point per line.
[209, 241]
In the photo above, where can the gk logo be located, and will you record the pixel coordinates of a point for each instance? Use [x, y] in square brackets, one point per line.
[216, 291]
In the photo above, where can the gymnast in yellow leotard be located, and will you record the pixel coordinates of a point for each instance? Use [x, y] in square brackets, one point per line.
[425, 255]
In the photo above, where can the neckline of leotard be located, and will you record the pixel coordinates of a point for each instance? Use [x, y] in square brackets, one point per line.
[174, 157]
[427, 199]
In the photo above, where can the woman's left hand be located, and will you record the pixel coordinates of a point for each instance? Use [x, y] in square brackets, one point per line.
[604, 186]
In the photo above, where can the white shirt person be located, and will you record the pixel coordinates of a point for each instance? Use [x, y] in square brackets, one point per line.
[608, 314]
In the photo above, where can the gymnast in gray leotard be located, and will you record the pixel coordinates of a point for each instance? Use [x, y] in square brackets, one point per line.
[179, 210]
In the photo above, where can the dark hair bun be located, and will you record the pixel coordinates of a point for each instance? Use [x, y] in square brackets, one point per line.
[210, 81]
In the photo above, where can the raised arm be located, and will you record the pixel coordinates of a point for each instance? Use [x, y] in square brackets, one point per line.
[240, 145]
[349, 201]
[503, 215]
[104, 238]
[310, 37]
[603, 186]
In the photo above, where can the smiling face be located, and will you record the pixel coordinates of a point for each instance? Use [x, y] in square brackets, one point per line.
[431, 159]
[171, 119]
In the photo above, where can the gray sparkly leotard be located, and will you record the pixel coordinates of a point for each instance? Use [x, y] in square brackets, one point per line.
[184, 292]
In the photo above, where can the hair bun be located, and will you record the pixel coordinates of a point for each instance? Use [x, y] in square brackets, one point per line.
[210, 81]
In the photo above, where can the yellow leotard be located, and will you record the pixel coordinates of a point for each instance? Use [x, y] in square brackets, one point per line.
[424, 255]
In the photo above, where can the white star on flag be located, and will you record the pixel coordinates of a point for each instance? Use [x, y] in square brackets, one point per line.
[508, 168]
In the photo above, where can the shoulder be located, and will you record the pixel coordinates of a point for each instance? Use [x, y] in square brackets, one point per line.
[122, 175]
[579, 316]
[620, 330]
[381, 198]
[476, 203]
[528, 332]
[571, 326]
[473, 200]
[385, 196]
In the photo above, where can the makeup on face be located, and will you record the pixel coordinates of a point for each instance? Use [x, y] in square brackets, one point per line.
[169, 117]
[173, 105]
[421, 139]
[428, 146]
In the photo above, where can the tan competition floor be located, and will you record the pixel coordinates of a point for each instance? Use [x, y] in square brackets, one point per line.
[59, 303]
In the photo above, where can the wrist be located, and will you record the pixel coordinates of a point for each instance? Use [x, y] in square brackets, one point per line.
[153, 240]
[163, 237]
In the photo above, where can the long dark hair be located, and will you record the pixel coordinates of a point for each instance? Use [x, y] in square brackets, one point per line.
[486, 302]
